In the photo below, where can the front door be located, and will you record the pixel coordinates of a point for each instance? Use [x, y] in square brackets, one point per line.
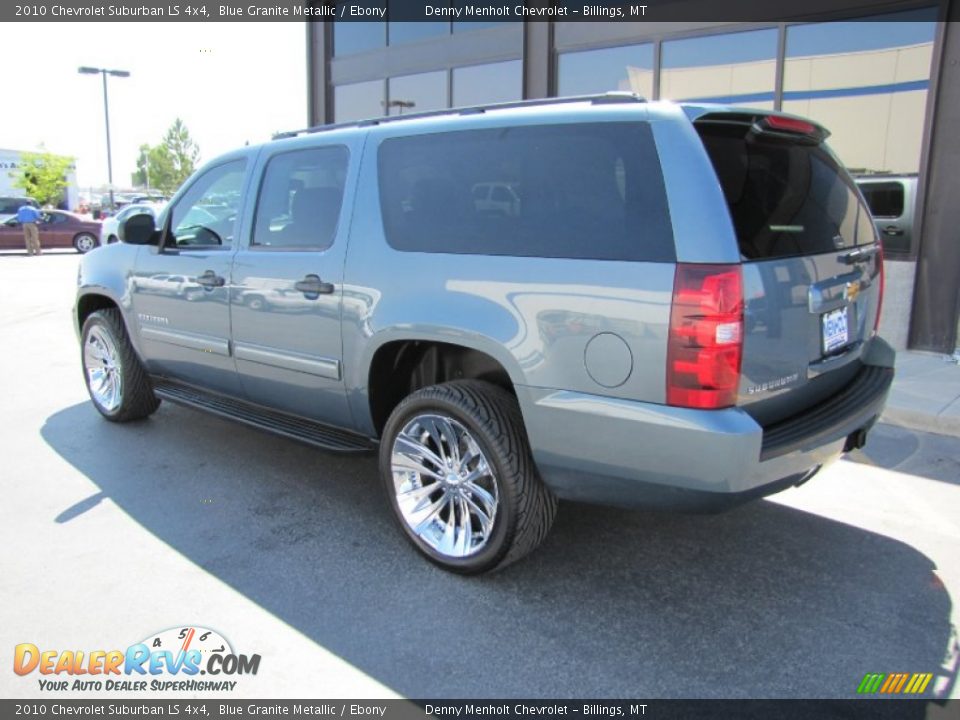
[287, 291]
[181, 290]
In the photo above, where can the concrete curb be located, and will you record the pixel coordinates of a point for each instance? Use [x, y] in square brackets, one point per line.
[924, 422]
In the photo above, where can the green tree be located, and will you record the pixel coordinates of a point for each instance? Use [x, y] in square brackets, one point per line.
[167, 165]
[42, 176]
[184, 152]
[155, 169]
[140, 176]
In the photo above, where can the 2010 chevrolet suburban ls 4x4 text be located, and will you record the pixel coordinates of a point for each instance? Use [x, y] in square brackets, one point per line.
[677, 307]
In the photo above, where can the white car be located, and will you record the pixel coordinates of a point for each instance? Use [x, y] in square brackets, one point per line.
[108, 230]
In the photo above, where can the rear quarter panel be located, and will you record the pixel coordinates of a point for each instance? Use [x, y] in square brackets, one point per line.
[535, 316]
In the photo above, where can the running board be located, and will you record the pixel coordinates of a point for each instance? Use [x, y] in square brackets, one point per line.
[291, 426]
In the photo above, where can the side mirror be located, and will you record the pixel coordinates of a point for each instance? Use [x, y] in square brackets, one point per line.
[139, 230]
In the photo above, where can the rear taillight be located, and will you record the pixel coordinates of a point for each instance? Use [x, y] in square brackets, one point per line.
[879, 257]
[705, 346]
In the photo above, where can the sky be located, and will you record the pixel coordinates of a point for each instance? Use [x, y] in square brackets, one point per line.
[230, 83]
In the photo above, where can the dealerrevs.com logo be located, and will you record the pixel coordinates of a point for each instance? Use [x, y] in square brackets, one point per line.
[168, 660]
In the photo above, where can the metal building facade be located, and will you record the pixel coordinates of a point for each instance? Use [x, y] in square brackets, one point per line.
[904, 95]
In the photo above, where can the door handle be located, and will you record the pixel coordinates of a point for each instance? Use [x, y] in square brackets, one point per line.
[211, 279]
[312, 286]
[892, 230]
[857, 256]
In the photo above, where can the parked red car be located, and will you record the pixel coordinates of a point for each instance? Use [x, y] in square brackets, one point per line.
[58, 229]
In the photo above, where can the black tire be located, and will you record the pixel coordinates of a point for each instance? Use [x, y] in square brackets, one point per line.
[85, 242]
[137, 400]
[526, 507]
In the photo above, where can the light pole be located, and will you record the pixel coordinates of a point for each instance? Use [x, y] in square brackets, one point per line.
[401, 104]
[106, 114]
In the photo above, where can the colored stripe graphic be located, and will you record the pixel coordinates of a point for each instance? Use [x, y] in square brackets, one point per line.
[894, 683]
[870, 683]
[918, 683]
[900, 683]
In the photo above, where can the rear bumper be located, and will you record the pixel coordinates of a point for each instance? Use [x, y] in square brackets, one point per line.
[620, 452]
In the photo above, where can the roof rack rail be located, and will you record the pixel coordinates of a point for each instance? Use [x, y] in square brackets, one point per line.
[608, 98]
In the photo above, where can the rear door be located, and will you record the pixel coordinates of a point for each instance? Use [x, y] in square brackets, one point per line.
[288, 285]
[811, 269]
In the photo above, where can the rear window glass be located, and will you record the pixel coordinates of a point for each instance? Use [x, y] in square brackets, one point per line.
[785, 198]
[588, 191]
[884, 199]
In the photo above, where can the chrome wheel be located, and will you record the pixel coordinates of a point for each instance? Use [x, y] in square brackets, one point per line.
[102, 364]
[85, 243]
[446, 489]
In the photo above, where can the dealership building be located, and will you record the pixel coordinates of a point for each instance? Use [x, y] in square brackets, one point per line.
[12, 160]
[886, 86]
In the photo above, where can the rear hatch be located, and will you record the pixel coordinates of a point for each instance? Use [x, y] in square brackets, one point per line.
[812, 270]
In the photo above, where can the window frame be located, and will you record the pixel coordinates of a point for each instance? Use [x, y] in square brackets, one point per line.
[668, 242]
[865, 187]
[256, 247]
[167, 231]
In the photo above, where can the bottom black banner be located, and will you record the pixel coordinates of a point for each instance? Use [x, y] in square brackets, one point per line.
[880, 709]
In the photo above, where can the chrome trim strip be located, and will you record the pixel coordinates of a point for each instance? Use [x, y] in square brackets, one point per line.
[203, 343]
[832, 362]
[299, 362]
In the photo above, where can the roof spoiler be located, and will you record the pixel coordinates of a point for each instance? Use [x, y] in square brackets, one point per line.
[770, 126]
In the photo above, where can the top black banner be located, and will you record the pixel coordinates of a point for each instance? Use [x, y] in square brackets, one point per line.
[446, 10]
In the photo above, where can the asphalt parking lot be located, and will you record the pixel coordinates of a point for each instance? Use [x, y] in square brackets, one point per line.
[112, 533]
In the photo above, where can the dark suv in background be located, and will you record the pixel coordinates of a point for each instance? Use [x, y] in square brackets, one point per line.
[892, 200]
[676, 306]
[10, 204]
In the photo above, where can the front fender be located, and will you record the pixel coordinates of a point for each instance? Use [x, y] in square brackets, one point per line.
[106, 273]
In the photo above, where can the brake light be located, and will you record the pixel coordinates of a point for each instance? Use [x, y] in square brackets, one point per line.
[787, 124]
[879, 257]
[705, 345]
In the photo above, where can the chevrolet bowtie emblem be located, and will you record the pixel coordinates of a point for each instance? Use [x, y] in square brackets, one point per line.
[852, 289]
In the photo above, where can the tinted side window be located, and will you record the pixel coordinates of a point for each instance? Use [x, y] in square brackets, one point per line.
[785, 198]
[589, 191]
[300, 198]
[885, 199]
[206, 215]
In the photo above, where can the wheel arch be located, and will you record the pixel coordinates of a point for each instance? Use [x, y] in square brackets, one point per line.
[399, 366]
[89, 303]
[99, 298]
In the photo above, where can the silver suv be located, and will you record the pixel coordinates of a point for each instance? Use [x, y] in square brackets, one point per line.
[679, 309]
